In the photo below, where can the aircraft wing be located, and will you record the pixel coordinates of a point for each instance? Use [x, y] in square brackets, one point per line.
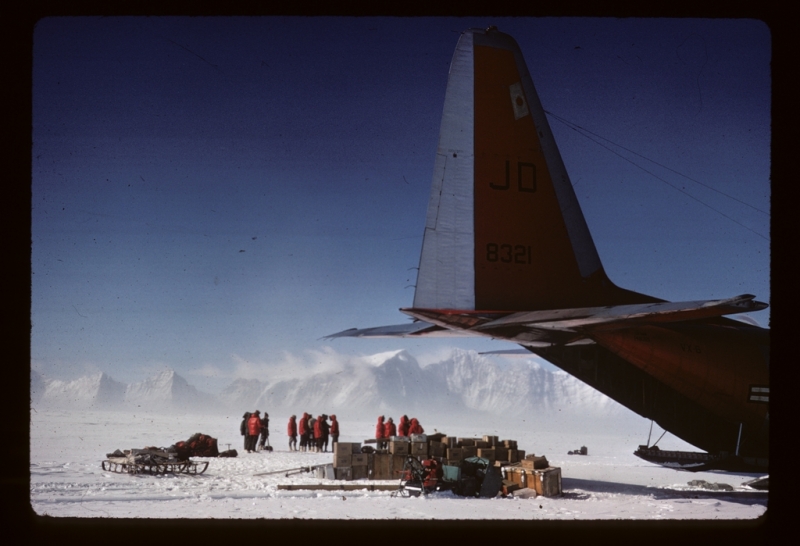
[417, 328]
[615, 316]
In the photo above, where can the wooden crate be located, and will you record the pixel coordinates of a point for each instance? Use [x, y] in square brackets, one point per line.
[360, 472]
[396, 467]
[469, 451]
[546, 482]
[455, 453]
[488, 453]
[381, 468]
[437, 449]
[419, 449]
[534, 463]
[344, 473]
[517, 475]
[399, 448]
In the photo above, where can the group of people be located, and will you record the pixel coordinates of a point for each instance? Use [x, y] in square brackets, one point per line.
[314, 432]
[386, 429]
[254, 427]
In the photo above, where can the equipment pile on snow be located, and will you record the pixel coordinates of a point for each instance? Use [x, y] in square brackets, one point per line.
[151, 460]
[166, 460]
[481, 467]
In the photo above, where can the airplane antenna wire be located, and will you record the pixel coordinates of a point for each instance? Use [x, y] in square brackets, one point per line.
[578, 129]
[649, 433]
[659, 438]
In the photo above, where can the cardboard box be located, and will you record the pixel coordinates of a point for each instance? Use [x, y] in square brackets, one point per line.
[487, 453]
[546, 482]
[513, 456]
[359, 459]
[520, 454]
[509, 444]
[455, 453]
[419, 449]
[344, 460]
[399, 448]
[346, 448]
[491, 440]
[469, 451]
[466, 442]
[501, 453]
[482, 444]
[344, 473]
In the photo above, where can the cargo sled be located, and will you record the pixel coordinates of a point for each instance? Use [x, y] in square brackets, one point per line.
[151, 461]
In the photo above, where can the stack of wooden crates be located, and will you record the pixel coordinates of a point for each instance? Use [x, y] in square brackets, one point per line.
[519, 470]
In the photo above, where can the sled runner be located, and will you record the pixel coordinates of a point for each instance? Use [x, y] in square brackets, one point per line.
[151, 461]
[124, 466]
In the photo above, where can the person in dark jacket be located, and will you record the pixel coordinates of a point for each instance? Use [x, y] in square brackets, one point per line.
[402, 426]
[379, 433]
[253, 430]
[303, 428]
[389, 429]
[326, 430]
[264, 439]
[243, 429]
[334, 432]
[291, 431]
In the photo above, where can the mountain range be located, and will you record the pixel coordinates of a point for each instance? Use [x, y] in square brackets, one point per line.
[465, 384]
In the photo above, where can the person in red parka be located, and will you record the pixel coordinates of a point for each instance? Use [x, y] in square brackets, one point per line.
[291, 431]
[415, 427]
[379, 432]
[389, 429]
[253, 430]
[402, 426]
[303, 429]
[334, 432]
[318, 434]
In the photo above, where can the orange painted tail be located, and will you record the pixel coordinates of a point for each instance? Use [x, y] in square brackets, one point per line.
[504, 230]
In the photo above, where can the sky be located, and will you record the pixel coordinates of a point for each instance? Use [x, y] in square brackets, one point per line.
[215, 195]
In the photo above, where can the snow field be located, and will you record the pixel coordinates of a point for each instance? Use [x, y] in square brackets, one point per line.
[610, 483]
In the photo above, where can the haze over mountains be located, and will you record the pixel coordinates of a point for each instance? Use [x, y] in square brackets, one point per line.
[465, 384]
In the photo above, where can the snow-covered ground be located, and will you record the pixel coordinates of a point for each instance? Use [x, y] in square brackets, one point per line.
[67, 480]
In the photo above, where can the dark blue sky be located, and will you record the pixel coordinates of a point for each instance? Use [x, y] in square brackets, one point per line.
[216, 194]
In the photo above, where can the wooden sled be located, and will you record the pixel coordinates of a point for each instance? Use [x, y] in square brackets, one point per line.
[123, 465]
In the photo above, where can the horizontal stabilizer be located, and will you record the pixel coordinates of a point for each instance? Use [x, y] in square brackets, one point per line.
[574, 320]
[410, 329]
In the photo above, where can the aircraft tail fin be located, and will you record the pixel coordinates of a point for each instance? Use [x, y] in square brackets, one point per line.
[504, 230]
